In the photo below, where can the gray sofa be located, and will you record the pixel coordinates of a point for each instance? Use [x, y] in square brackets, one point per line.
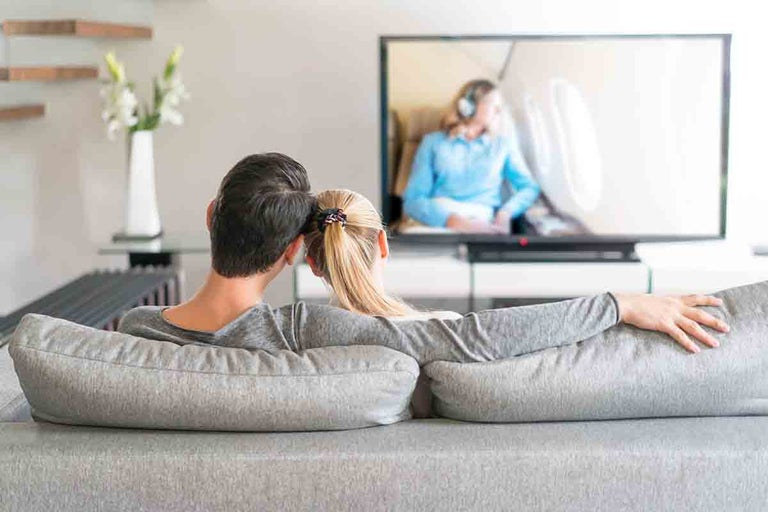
[713, 463]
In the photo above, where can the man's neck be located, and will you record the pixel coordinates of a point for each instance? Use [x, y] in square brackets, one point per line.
[219, 301]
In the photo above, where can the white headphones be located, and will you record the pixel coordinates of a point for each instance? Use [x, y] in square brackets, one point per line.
[467, 105]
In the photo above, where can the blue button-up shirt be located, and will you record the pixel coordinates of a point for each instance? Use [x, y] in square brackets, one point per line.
[470, 171]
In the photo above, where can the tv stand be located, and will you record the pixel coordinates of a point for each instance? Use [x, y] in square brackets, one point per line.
[523, 251]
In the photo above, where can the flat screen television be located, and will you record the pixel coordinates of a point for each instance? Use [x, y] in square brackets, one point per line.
[554, 140]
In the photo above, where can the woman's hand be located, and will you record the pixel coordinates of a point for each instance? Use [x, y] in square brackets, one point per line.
[676, 316]
[503, 222]
[467, 225]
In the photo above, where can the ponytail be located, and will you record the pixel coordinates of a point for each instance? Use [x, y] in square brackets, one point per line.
[343, 243]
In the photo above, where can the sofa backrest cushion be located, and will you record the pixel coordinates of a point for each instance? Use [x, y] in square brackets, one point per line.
[624, 372]
[13, 405]
[78, 375]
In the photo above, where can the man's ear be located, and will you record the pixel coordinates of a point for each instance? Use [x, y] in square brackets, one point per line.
[383, 244]
[209, 214]
[293, 249]
[313, 265]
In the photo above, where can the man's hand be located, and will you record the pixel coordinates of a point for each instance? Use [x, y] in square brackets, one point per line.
[676, 316]
[467, 225]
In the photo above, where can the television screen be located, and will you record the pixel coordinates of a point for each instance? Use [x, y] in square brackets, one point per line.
[552, 136]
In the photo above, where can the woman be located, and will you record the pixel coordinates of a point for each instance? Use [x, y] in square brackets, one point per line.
[347, 247]
[458, 172]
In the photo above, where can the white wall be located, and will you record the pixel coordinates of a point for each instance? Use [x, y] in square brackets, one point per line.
[302, 77]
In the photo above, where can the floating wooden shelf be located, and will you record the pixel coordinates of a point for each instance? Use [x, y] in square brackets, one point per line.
[77, 28]
[21, 112]
[47, 73]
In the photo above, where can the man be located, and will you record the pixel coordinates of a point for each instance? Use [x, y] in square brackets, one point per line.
[256, 223]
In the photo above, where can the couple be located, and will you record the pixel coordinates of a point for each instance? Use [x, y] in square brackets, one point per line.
[264, 212]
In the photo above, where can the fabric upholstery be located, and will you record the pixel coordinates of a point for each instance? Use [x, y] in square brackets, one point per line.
[78, 375]
[622, 373]
[13, 405]
[675, 465]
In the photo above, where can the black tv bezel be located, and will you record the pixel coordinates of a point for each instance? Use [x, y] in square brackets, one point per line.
[447, 238]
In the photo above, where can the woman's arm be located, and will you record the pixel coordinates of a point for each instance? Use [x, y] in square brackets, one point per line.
[495, 334]
[526, 191]
[418, 202]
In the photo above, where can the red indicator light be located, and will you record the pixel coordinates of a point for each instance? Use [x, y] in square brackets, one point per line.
[523, 242]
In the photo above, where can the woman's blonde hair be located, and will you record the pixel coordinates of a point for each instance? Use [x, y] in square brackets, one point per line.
[344, 248]
[454, 122]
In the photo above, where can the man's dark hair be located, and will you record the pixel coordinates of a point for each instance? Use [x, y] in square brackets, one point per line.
[263, 204]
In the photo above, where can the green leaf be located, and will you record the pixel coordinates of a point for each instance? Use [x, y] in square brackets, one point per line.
[158, 95]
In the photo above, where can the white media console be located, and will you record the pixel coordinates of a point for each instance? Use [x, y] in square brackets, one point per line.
[442, 278]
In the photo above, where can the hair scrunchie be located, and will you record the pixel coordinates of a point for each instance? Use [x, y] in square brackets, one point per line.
[329, 216]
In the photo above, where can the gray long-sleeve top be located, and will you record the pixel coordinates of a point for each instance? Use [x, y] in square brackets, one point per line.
[482, 336]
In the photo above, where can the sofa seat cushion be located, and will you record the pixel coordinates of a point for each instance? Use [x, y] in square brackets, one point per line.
[78, 375]
[624, 372]
[675, 465]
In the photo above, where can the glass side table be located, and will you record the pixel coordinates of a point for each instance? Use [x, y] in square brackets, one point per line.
[160, 252]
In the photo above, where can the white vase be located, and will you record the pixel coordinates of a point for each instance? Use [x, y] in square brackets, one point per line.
[142, 219]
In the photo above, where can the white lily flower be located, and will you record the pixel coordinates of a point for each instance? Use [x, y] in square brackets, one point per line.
[173, 93]
[171, 115]
[113, 126]
[121, 106]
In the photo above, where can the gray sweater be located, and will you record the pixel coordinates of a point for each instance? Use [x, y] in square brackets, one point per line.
[482, 336]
